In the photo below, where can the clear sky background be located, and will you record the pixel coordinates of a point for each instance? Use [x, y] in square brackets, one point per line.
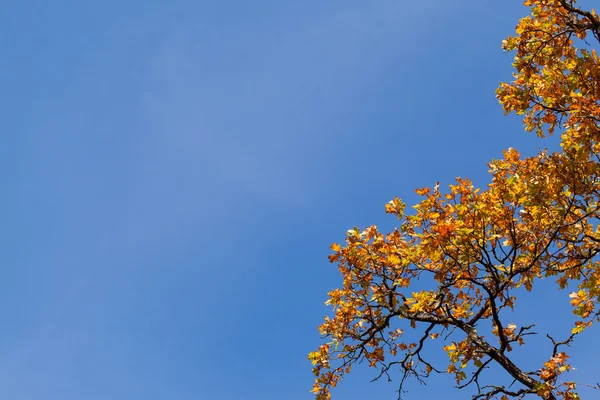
[173, 173]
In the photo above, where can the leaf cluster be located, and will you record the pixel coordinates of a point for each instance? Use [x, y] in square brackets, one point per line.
[537, 219]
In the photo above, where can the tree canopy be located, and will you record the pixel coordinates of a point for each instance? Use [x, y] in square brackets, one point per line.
[474, 248]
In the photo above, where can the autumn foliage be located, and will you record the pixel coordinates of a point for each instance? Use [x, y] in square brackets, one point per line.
[537, 219]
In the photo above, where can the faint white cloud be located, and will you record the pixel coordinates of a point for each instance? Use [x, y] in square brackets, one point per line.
[257, 108]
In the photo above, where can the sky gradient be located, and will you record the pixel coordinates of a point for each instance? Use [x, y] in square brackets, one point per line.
[174, 173]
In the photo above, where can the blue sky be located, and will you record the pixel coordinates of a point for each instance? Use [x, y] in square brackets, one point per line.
[174, 173]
